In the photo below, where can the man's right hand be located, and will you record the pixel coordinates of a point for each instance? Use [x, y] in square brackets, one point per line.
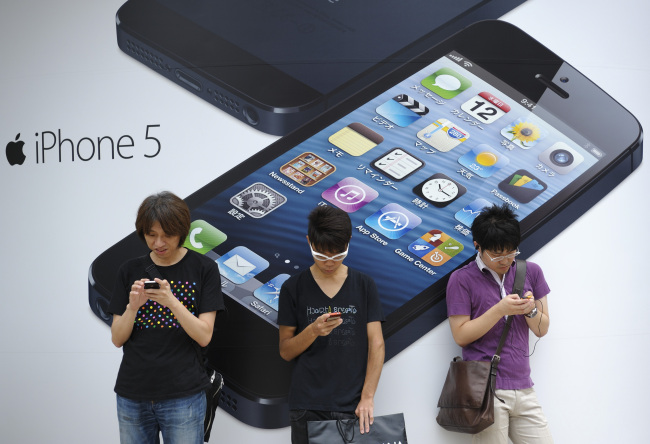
[323, 327]
[514, 305]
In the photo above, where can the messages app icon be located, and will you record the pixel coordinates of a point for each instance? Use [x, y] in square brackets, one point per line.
[240, 264]
[446, 82]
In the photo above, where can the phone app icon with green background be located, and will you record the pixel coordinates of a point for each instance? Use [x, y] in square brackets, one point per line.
[203, 237]
[446, 82]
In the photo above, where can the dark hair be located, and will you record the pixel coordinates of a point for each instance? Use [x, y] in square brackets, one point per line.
[167, 209]
[330, 229]
[497, 229]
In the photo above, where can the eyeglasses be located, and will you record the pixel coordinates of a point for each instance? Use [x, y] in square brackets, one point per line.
[500, 258]
[336, 257]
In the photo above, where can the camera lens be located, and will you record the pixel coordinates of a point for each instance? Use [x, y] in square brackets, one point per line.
[561, 158]
[564, 79]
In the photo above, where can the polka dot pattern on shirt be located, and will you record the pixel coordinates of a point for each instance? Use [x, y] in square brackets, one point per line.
[154, 315]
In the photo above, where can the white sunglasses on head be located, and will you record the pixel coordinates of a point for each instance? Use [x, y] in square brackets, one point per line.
[322, 257]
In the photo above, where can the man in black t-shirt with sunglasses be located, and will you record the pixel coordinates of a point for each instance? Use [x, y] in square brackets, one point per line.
[338, 358]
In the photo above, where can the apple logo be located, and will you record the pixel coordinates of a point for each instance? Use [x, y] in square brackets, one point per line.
[14, 151]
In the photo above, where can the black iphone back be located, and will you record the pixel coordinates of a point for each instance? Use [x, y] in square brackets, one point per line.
[277, 64]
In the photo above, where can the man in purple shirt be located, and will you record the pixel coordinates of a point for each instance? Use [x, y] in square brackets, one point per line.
[479, 300]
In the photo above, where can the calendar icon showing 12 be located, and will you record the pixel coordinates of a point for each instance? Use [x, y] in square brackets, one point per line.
[485, 107]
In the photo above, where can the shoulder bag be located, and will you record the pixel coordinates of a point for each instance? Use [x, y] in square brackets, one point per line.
[467, 399]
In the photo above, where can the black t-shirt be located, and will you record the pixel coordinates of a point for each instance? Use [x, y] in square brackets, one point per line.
[330, 374]
[160, 360]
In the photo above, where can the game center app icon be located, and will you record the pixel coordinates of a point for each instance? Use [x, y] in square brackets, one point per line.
[485, 107]
[350, 194]
[258, 200]
[393, 221]
[446, 82]
[436, 247]
[240, 264]
[355, 139]
[483, 160]
[307, 169]
[443, 135]
[402, 110]
[523, 186]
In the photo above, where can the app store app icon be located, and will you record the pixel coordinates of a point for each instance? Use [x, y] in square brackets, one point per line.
[393, 221]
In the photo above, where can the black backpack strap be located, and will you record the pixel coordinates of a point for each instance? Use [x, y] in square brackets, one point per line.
[151, 268]
[517, 288]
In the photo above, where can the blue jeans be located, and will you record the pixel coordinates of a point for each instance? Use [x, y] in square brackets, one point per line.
[180, 420]
[299, 418]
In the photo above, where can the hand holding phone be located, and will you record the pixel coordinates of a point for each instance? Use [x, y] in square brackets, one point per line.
[324, 324]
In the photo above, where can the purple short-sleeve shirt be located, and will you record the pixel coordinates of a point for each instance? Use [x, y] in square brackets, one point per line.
[472, 292]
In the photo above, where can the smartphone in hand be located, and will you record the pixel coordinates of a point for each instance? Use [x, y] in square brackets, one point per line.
[333, 316]
[151, 284]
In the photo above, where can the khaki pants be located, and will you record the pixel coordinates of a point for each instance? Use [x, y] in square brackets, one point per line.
[520, 418]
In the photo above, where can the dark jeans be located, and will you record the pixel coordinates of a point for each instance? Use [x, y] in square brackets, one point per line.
[299, 420]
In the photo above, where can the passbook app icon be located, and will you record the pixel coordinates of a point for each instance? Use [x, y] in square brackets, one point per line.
[523, 186]
[355, 139]
[203, 237]
[240, 264]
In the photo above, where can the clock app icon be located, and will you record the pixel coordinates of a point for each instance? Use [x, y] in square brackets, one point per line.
[440, 190]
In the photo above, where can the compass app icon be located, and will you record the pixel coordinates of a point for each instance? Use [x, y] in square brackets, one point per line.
[393, 221]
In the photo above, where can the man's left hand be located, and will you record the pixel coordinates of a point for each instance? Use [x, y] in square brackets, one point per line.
[365, 412]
